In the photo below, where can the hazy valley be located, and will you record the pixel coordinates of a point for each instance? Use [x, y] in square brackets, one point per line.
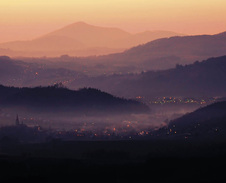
[108, 99]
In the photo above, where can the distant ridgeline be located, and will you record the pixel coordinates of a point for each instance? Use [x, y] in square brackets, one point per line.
[206, 78]
[60, 99]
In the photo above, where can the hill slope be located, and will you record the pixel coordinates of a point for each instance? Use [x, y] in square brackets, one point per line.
[167, 52]
[55, 98]
[209, 121]
[200, 79]
[91, 36]
[204, 78]
[15, 72]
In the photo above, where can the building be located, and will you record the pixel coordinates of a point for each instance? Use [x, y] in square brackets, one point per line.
[17, 122]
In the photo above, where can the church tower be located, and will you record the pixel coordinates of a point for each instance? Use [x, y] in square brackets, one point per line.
[17, 120]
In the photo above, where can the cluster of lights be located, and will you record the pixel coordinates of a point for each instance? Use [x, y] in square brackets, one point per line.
[174, 100]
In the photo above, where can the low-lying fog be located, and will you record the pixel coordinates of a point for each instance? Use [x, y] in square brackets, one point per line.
[159, 116]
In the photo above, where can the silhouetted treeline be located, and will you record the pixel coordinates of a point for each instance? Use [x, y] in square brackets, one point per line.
[58, 98]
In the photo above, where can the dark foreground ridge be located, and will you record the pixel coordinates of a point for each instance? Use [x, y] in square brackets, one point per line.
[116, 161]
[198, 155]
[59, 99]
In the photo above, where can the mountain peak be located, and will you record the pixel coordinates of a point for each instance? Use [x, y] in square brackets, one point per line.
[91, 39]
[80, 23]
[89, 27]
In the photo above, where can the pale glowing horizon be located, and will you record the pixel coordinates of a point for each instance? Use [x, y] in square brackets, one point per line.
[27, 19]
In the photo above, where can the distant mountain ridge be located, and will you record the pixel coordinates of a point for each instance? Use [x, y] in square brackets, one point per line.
[91, 36]
[82, 38]
[165, 53]
[199, 79]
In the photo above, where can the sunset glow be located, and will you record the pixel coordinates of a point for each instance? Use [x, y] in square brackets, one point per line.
[112, 90]
[25, 19]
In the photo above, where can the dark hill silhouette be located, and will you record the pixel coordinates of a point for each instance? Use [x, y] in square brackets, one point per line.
[209, 121]
[204, 78]
[57, 98]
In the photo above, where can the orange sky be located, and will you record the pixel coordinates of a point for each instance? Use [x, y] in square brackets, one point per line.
[26, 19]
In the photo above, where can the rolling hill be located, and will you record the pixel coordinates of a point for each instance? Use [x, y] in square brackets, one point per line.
[199, 79]
[15, 72]
[167, 52]
[91, 36]
[59, 99]
[209, 121]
